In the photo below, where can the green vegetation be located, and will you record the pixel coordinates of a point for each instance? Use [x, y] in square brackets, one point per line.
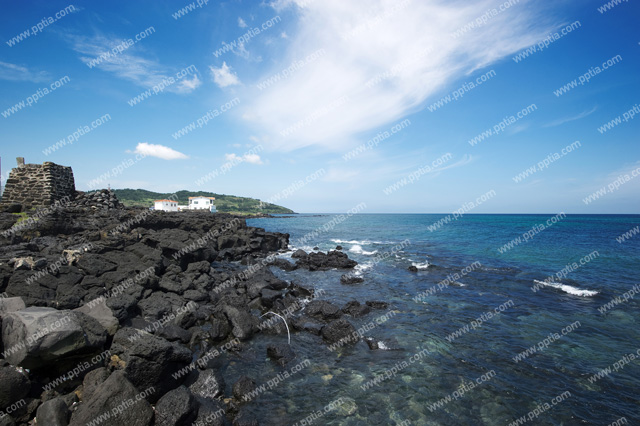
[224, 203]
[23, 216]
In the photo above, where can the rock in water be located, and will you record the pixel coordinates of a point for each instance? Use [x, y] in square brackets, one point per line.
[355, 309]
[299, 254]
[339, 330]
[243, 386]
[350, 279]
[244, 324]
[281, 353]
[116, 400]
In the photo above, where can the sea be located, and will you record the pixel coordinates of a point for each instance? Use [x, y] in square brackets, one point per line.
[491, 320]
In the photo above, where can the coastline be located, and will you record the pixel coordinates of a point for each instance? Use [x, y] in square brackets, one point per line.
[101, 305]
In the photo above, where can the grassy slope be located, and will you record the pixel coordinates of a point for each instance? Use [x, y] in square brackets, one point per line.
[224, 203]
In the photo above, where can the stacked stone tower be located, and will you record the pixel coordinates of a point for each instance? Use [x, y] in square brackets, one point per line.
[36, 185]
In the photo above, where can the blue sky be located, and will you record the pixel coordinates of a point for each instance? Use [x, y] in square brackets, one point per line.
[307, 82]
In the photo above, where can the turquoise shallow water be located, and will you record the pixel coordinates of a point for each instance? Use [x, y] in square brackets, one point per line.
[512, 387]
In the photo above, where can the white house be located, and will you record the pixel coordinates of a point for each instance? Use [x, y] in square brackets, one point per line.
[202, 203]
[166, 205]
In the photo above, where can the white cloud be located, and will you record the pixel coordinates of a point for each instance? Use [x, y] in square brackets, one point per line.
[223, 76]
[187, 86]
[362, 45]
[241, 23]
[13, 72]
[252, 158]
[568, 119]
[159, 151]
[247, 158]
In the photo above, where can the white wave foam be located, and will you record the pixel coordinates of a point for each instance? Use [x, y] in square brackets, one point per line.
[358, 249]
[424, 265]
[365, 242]
[568, 289]
[361, 267]
[338, 241]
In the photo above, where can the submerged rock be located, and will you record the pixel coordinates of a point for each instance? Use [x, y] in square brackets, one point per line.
[243, 386]
[375, 304]
[281, 353]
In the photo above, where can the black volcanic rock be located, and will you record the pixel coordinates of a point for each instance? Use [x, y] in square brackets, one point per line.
[139, 269]
[15, 385]
[177, 407]
[339, 330]
[111, 397]
[299, 254]
[320, 261]
[323, 310]
[150, 360]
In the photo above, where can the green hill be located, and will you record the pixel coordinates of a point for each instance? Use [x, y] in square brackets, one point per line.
[224, 203]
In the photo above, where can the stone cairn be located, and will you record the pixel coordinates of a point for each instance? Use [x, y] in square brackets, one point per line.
[37, 185]
[50, 185]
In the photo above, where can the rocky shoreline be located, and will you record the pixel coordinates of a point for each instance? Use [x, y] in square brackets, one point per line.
[118, 316]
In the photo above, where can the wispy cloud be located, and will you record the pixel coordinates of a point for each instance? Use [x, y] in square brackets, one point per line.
[14, 72]
[572, 118]
[386, 35]
[159, 151]
[129, 65]
[241, 23]
[223, 76]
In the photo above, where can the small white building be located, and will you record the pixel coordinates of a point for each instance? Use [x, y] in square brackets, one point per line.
[202, 203]
[166, 205]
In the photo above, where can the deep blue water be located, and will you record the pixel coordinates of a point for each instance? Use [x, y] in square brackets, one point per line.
[567, 363]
